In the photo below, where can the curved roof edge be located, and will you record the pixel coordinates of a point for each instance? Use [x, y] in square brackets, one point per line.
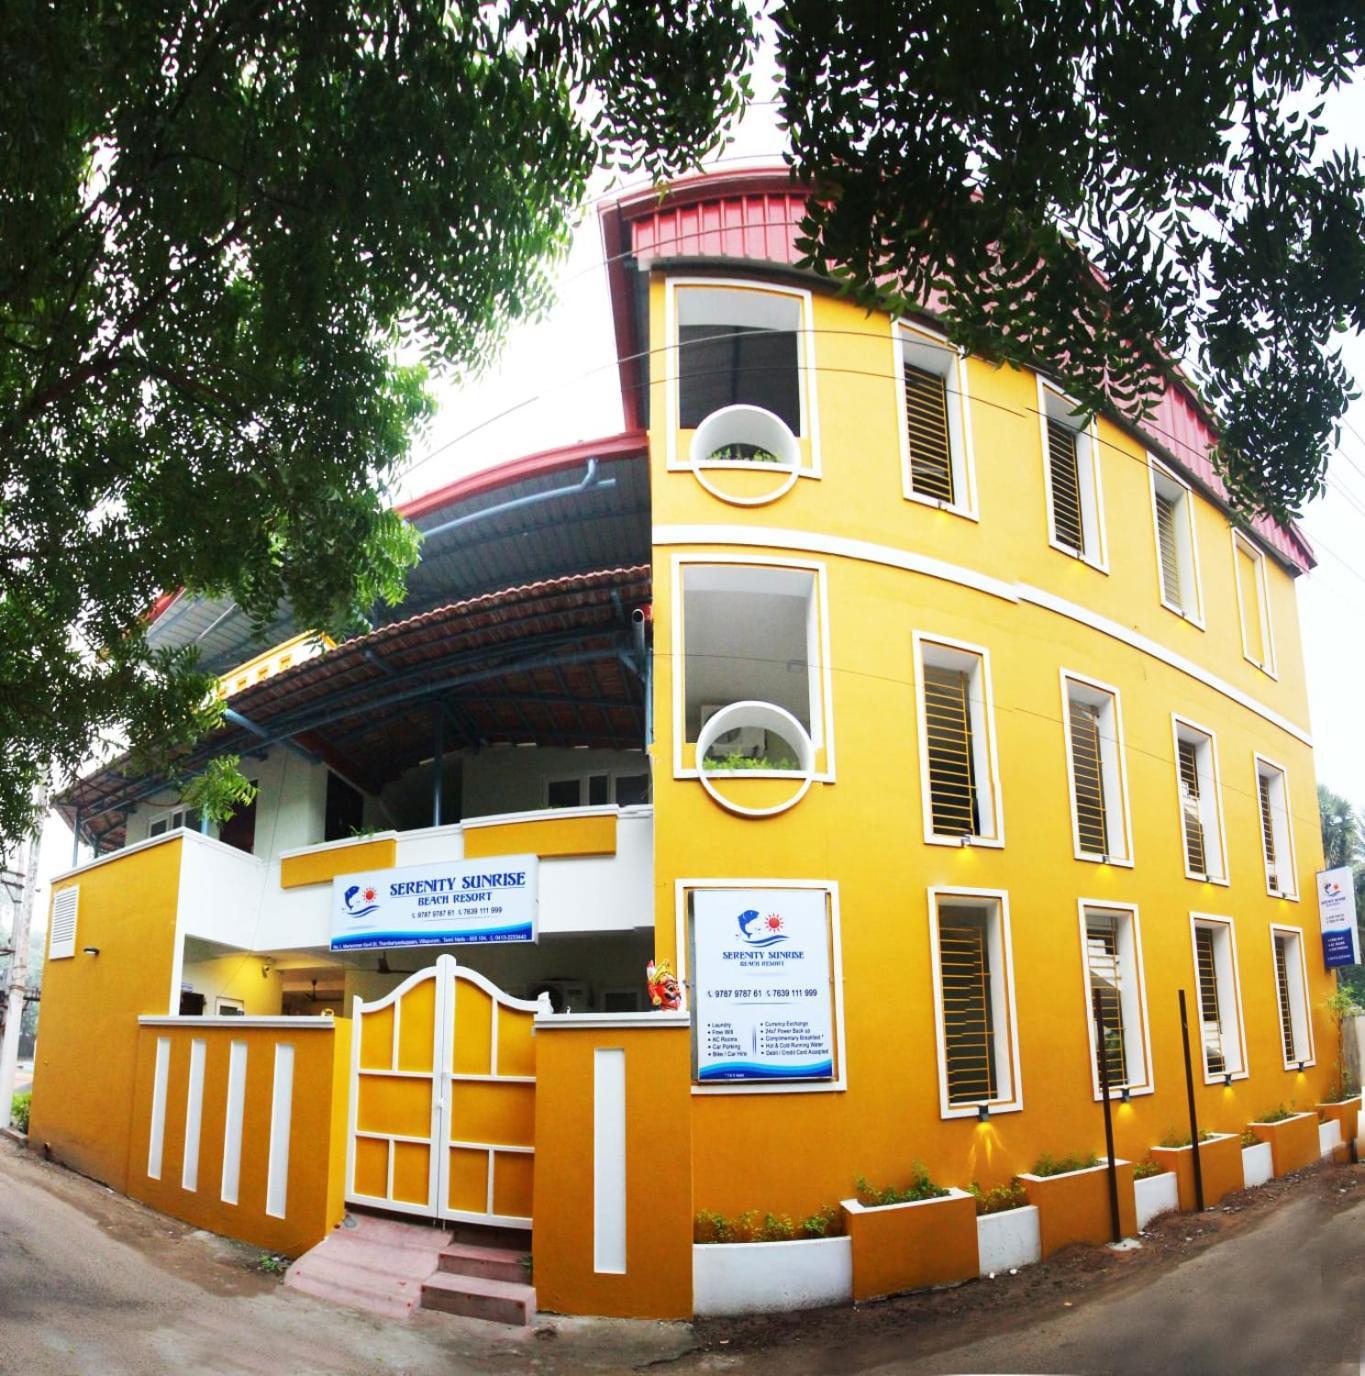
[754, 214]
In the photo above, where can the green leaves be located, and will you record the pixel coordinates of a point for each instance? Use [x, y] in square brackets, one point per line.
[220, 790]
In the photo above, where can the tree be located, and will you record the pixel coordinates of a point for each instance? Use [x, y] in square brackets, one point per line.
[1092, 184]
[219, 222]
[1343, 843]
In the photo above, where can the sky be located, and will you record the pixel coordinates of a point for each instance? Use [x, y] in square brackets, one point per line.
[556, 383]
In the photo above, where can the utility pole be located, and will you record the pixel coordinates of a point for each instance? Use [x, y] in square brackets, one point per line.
[17, 985]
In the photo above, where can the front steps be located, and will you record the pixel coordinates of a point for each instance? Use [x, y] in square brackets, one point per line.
[390, 1268]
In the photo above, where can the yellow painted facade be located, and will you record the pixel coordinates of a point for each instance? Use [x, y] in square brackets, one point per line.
[322, 866]
[863, 829]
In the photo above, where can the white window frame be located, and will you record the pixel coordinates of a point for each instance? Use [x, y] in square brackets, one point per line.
[613, 774]
[986, 759]
[1240, 542]
[809, 439]
[1115, 771]
[934, 354]
[1137, 1036]
[821, 675]
[1287, 864]
[228, 1007]
[1055, 403]
[168, 815]
[1211, 802]
[1191, 584]
[1226, 963]
[1002, 989]
[1300, 1007]
[681, 889]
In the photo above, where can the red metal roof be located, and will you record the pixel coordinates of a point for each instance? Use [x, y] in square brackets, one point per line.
[756, 216]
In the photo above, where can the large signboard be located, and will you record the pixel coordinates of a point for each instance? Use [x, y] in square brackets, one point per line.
[761, 985]
[493, 899]
[1337, 912]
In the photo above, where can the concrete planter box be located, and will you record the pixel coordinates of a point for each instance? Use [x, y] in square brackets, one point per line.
[1220, 1165]
[900, 1247]
[1008, 1239]
[1258, 1165]
[1329, 1138]
[1153, 1195]
[1075, 1207]
[770, 1277]
[1293, 1141]
[1347, 1113]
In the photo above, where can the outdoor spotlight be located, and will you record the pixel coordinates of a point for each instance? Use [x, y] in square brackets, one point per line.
[1227, 1079]
[90, 950]
[983, 1112]
[1125, 1096]
[1300, 1067]
[964, 840]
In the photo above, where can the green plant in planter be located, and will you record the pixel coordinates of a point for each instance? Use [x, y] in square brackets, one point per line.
[824, 1223]
[1277, 1114]
[742, 453]
[1249, 1138]
[734, 763]
[1000, 1199]
[1049, 1165]
[709, 1226]
[1176, 1139]
[1144, 1170]
[920, 1187]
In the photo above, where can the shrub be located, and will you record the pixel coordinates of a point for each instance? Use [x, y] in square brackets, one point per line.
[920, 1187]
[733, 763]
[1276, 1115]
[824, 1223]
[1144, 1170]
[742, 453]
[19, 1109]
[1175, 1139]
[709, 1226]
[1048, 1165]
[1249, 1138]
[1000, 1199]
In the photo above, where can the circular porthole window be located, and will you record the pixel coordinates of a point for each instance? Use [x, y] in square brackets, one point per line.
[745, 439]
[748, 742]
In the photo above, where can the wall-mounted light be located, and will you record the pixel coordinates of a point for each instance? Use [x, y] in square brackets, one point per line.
[265, 969]
[1126, 1095]
[964, 841]
[1227, 1079]
[90, 950]
[1301, 1067]
[983, 1112]
[1104, 859]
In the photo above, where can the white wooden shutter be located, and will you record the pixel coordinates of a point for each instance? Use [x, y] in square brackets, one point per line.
[61, 931]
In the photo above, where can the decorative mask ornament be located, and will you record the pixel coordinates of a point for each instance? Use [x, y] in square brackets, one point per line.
[664, 989]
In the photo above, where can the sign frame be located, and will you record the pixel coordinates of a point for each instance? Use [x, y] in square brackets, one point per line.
[1337, 917]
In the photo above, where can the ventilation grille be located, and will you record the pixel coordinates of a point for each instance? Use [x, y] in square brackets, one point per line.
[1106, 996]
[1215, 1062]
[1087, 777]
[1286, 1011]
[948, 736]
[1248, 577]
[926, 419]
[968, 1015]
[1272, 875]
[1195, 854]
[1066, 486]
[61, 941]
[1170, 560]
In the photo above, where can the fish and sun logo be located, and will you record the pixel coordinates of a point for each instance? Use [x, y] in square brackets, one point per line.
[761, 931]
[360, 900]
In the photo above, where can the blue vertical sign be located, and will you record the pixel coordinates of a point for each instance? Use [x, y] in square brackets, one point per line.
[1337, 912]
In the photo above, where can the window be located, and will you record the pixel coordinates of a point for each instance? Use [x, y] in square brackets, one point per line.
[240, 829]
[935, 426]
[959, 775]
[597, 789]
[1072, 479]
[1094, 746]
[973, 1003]
[1176, 552]
[750, 632]
[1291, 993]
[1277, 840]
[1118, 1006]
[343, 811]
[738, 345]
[1253, 608]
[1201, 811]
[1219, 1001]
[186, 817]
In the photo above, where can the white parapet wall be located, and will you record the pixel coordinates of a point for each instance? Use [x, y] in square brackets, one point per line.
[1258, 1164]
[1009, 1239]
[771, 1277]
[1157, 1194]
[1329, 1137]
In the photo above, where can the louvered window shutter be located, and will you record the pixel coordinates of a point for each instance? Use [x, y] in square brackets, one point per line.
[968, 1017]
[1170, 559]
[926, 419]
[1106, 996]
[1087, 776]
[948, 735]
[1251, 604]
[1272, 876]
[1063, 464]
[1286, 1009]
[61, 939]
[1207, 968]
[1189, 807]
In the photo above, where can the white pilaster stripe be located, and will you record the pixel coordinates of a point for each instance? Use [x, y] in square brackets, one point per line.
[281, 1112]
[808, 542]
[194, 1113]
[609, 1160]
[232, 1125]
[157, 1139]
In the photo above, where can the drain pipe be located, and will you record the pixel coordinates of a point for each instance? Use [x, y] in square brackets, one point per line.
[589, 482]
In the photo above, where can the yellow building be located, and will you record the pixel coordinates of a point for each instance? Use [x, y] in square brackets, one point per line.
[937, 737]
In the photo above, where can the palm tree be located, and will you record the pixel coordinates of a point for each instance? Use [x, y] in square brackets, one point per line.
[1341, 838]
